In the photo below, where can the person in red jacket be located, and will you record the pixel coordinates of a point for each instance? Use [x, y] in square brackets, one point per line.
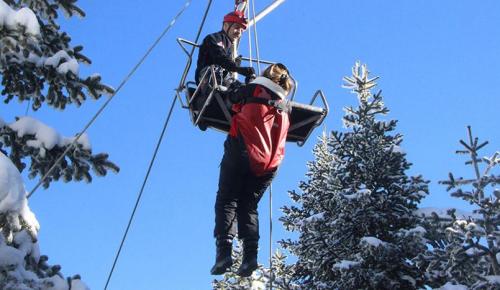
[253, 150]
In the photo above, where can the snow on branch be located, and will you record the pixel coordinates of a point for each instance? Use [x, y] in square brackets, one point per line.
[23, 18]
[37, 61]
[30, 138]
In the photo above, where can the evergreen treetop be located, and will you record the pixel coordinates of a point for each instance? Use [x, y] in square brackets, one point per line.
[355, 215]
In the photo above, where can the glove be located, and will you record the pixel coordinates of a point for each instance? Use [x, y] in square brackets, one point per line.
[246, 71]
[250, 78]
[238, 60]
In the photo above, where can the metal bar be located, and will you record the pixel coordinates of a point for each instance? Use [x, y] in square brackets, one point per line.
[223, 108]
[190, 55]
[180, 41]
[264, 12]
[210, 96]
[304, 122]
[323, 98]
[205, 105]
[254, 60]
[198, 87]
[318, 121]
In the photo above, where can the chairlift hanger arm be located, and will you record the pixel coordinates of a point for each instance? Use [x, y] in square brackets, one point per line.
[264, 12]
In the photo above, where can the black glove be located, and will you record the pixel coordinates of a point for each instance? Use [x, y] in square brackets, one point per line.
[246, 71]
[238, 60]
[250, 78]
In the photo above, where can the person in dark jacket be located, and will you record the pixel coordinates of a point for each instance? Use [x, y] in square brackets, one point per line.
[217, 48]
[253, 150]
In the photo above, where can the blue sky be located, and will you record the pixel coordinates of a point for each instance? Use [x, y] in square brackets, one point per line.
[438, 62]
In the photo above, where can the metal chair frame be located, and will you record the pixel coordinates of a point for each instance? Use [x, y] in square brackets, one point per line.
[215, 86]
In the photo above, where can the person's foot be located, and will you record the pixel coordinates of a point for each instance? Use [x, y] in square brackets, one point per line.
[223, 260]
[222, 266]
[249, 261]
[202, 126]
[247, 267]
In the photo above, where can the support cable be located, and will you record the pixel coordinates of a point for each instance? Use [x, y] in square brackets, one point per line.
[160, 138]
[124, 81]
[141, 191]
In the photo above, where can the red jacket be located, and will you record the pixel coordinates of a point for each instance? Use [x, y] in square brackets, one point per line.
[263, 127]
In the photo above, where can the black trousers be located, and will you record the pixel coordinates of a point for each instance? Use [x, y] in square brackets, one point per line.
[239, 193]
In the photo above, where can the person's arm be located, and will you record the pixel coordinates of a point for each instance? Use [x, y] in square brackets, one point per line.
[219, 55]
[239, 94]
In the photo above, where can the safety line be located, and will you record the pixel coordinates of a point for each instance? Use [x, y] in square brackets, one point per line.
[271, 185]
[271, 276]
[256, 38]
[124, 81]
[249, 41]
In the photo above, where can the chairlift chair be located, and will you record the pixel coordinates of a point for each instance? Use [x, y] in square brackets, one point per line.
[214, 112]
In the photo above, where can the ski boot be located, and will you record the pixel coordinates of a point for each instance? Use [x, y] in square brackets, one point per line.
[249, 262]
[223, 260]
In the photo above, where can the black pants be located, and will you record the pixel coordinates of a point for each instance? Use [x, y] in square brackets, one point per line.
[239, 193]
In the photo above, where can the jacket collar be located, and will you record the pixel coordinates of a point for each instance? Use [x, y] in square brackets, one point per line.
[225, 35]
[275, 88]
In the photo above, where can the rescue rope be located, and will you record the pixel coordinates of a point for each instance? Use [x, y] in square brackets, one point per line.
[124, 81]
[271, 276]
[256, 37]
[257, 52]
[249, 41]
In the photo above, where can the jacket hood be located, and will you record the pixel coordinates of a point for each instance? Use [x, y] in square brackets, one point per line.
[269, 84]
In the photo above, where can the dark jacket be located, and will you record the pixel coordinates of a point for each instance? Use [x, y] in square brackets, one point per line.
[215, 49]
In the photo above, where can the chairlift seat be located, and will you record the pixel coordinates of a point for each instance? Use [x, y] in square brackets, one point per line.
[303, 118]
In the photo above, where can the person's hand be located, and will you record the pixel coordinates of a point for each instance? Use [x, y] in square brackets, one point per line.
[250, 78]
[246, 71]
[238, 60]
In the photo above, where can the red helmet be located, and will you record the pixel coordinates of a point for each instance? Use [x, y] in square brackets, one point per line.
[236, 17]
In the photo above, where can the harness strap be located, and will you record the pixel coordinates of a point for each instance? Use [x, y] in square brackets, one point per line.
[281, 105]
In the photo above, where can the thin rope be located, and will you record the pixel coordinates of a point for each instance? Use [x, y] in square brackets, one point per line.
[256, 37]
[250, 41]
[152, 159]
[124, 81]
[270, 186]
[141, 191]
[271, 277]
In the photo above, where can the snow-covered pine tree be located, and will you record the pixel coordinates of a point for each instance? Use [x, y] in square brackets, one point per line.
[466, 247]
[261, 278]
[37, 66]
[21, 265]
[37, 61]
[355, 214]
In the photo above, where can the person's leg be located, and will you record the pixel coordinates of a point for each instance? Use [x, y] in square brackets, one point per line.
[230, 180]
[248, 220]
